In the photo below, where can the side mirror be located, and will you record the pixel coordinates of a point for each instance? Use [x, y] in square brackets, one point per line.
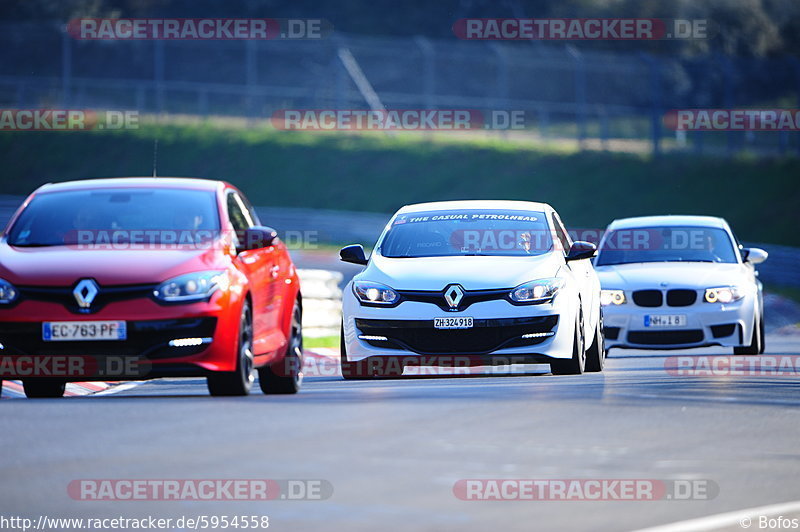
[754, 255]
[353, 254]
[257, 237]
[581, 250]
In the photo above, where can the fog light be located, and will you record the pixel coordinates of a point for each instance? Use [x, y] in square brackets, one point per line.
[537, 335]
[189, 342]
[369, 338]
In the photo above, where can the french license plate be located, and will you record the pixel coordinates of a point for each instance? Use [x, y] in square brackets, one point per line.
[61, 331]
[665, 320]
[460, 322]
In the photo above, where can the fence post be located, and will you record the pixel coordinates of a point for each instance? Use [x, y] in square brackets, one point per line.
[66, 68]
[251, 76]
[727, 96]
[158, 73]
[796, 64]
[580, 92]
[428, 69]
[656, 106]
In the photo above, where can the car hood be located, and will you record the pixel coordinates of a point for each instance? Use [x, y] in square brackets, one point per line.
[63, 266]
[473, 273]
[675, 274]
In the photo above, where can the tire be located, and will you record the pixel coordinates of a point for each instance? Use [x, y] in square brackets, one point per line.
[763, 337]
[240, 381]
[353, 371]
[44, 388]
[596, 354]
[756, 346]
[286, 376]
[577, 364]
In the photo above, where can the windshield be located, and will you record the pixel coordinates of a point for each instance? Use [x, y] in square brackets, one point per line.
[666, 244]
[467, 232]
[86, 216]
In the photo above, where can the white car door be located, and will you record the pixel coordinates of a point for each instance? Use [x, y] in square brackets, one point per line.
[585, 277]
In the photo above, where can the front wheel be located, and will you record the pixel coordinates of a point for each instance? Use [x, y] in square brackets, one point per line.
[286, 376]
[240, 381]
[596, 354]
[44, 388]
[577, 364]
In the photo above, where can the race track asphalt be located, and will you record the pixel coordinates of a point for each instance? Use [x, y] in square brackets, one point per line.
[392, 450]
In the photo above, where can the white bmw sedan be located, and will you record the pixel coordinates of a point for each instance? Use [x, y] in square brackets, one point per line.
[674, 282]
[466, 283]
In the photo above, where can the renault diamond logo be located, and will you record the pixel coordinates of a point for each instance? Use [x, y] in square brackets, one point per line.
[453, 294]
[85, 292]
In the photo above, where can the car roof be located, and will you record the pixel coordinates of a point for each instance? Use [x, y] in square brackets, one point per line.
[476, 204]
[669, 220]
[135, 182]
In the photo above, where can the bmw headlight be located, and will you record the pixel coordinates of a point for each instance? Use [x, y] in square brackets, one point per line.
[374, 293]
[723, 294]
[612, 297]
[190, 287]
[7, 292]
[537, 291]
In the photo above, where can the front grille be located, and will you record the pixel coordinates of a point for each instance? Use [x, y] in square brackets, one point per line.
[648, 298]
[437, 297]
[722, 331]
[689, 336]
[105, 295]
[680, 297]
[486, 336]
[146, 339]
[612, 333]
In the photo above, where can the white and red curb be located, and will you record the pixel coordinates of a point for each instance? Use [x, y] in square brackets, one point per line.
[74, 389]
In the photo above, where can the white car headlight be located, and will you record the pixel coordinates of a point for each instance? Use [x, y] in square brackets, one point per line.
[537, 291]
[7, 292]
[723, 294]
[374, 293]
[190, 287]
[612, 297]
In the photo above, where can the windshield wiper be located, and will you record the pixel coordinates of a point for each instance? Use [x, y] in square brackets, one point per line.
[34, 245]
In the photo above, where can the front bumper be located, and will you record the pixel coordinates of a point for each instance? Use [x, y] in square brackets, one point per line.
[145, 353]
[707, 324]
[502, 332]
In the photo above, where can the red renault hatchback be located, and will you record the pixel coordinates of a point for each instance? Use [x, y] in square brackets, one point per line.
[138, 278]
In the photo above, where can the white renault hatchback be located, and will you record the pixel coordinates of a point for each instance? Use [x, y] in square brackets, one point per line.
[679, 282]
[465, 283]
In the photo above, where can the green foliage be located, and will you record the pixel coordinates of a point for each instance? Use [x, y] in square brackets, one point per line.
[380, 173]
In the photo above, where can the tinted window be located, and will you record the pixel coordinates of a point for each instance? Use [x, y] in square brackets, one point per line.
[59, 218]
[666, 244]
[467, 232]
[238, 214]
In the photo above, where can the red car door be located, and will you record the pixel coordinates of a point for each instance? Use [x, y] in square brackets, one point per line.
[261, 268]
